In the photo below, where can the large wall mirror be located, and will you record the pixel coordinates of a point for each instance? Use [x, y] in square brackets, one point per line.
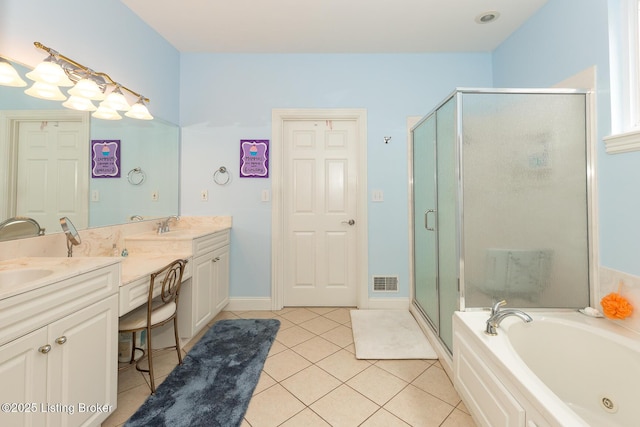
[48, 158]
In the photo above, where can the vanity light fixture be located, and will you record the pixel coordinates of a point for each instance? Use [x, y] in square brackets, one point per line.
[86, 86]
[9, 76]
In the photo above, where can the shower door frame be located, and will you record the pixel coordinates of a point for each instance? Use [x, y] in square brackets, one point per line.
[591, 187]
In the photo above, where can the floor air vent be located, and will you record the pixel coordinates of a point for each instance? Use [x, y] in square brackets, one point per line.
[385, 283]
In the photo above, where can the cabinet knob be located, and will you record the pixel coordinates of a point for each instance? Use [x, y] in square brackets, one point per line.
[45, 349]
[61, 340]
[216, 259]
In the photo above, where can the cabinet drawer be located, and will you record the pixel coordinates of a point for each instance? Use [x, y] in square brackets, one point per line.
[134, 294]
[208, 243]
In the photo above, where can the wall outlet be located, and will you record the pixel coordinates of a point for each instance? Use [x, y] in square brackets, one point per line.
[377, 196]
[266, 196]
[204, 195]
[154, 195]
[95, 196]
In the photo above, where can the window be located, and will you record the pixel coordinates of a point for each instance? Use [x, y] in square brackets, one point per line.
[624, 47]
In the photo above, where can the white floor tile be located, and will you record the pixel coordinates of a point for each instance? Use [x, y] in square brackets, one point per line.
[311, 378]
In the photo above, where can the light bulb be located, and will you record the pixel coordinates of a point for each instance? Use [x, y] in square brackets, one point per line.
[45, 91]
[9, 76]
[107, 113]
[117, 101]
[51, 73]
[139, 111]
[79, 103]
[87, 88]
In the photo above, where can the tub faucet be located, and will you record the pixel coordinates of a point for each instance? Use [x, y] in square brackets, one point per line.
[498, 315]
[163, 226]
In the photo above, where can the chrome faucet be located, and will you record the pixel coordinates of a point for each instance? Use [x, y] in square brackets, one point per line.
[163, 227]
[498, 315]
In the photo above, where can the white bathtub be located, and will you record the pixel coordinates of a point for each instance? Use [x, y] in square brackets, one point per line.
[562, 369]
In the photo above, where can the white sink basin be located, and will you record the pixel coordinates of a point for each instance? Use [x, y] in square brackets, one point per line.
[11, 278]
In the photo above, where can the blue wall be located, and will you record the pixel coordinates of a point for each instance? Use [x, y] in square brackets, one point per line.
[562, 39]
[229, 97]
[220, 99]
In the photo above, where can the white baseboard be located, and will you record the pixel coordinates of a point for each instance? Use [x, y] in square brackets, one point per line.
[248, 304]
[245, 304]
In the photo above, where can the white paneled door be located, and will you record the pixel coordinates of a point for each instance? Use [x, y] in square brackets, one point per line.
[320, 221]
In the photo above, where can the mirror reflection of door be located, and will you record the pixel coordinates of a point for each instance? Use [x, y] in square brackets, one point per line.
[52, 171]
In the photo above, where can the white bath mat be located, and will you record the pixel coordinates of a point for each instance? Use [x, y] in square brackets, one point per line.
[389, 334]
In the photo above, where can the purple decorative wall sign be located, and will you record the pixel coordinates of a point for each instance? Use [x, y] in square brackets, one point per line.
[105, 158]
[254, 158]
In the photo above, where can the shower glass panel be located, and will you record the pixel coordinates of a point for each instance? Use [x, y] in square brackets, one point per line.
[525, 197]
[447, 225]
[424, 236]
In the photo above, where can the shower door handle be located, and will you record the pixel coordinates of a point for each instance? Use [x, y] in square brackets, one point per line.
[426, 219]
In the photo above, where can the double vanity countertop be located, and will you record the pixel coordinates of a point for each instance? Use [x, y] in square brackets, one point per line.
[148, 252]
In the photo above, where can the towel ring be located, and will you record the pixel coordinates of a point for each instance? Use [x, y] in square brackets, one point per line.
[221, 176]
[136, 176]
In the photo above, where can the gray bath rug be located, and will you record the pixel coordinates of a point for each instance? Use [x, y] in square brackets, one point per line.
[389, 334]
[214, 385]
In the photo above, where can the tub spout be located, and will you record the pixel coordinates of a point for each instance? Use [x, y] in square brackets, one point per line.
[498, 315]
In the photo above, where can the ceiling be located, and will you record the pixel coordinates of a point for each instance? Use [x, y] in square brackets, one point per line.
[332, 26]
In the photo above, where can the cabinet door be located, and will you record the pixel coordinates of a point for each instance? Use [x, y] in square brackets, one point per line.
[23, 370]
[221, 279]
[82, 369]
[203, 294]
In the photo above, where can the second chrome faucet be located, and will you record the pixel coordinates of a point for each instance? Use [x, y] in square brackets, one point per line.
[497, 315]
[163, 227]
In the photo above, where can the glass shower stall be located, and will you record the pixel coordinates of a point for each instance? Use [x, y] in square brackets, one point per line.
[501, 195]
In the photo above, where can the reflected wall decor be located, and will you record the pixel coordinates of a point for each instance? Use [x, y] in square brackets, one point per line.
[105, 158]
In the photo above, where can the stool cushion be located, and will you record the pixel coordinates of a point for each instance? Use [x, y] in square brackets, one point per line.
[138, 318]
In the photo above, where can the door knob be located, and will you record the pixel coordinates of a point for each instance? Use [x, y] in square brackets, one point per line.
[350, 222]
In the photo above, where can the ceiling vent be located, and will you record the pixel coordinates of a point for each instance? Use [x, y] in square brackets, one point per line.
[385, 283]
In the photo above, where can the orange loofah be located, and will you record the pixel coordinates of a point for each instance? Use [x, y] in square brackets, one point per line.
[615, 306]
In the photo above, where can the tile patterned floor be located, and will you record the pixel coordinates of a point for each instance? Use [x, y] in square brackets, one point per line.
[312, 378]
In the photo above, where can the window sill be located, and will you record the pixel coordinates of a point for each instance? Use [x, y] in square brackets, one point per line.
[622, 142]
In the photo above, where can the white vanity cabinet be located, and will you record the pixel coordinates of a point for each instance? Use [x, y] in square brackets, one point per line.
[58, 352]
[209, 290]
